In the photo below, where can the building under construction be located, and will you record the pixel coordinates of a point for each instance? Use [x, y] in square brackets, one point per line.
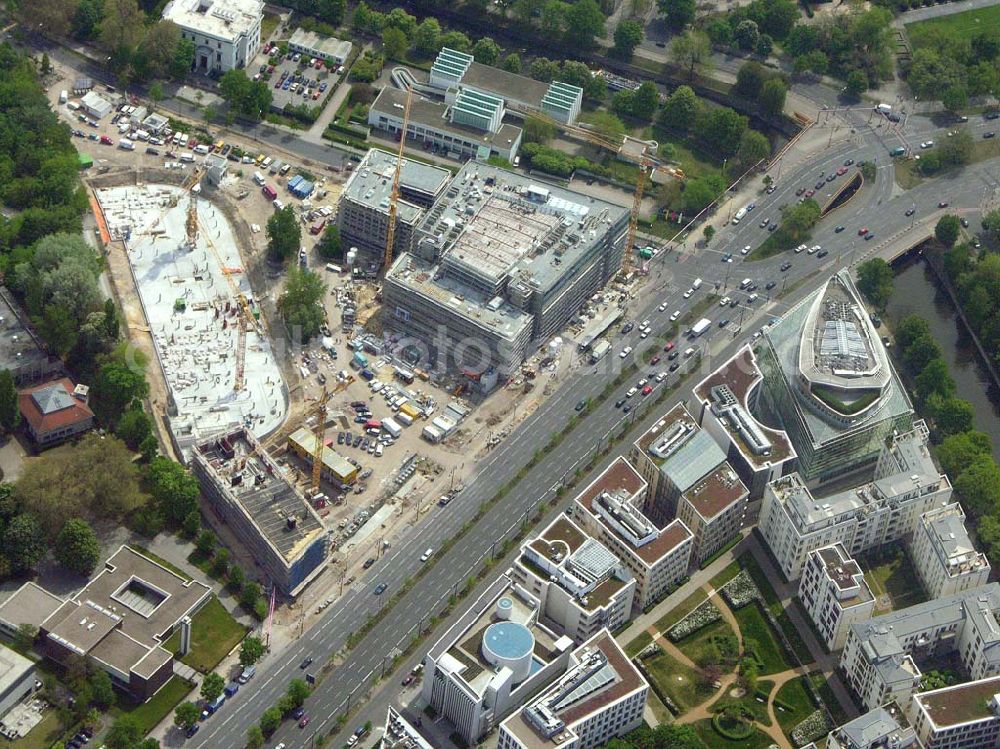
[335, 468]
[248, 493]
[500, 262]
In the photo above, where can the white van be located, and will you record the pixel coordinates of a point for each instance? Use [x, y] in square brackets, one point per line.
[73, 106]
[278, 205]
[202, 149]
[126, 145]
[123, 127]
[688, 353]
[187, 158]
[259, 178]
[63, 96]
[427, 555]
[142, 135]
[697, 284]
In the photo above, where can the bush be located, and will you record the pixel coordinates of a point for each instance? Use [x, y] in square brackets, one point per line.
[701, 617]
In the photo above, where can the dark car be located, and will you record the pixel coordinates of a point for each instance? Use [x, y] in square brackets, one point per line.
[304, 721]
[581, 405]
[869, 235]
[340, 438]
[192, 730]
[964, 222]
[724, 322]
[627, 328]
[943, 204]
[628, 407]
[306, 663]
[674, 354]
[360, 419]
[357, 440]
[910, 211]
[822, 253]
[772, 226]
[619, 403]
[838, 230]
[785, 266]
[819, 185]
[675, 366]
[380, 589]
[831, 177]
[770, 285]
[369, 562]
[989, 134]
[407, 681]
[849, 162]
[992, 115]
[799, 191]
[298, 712]
[734, 303]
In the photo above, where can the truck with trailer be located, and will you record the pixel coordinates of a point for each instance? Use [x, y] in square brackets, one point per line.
[599, 350]
[700, 327]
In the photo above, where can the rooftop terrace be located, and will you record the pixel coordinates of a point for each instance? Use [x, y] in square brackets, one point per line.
[962, 703]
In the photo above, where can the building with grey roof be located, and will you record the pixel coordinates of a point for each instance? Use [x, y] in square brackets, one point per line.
[962, 716]
[17, 682]
[884, 727]
[880, 657]
[251, 496]
[401, 734]
[828, 379]
[906, 485]
[314, 44]
[21, 350]
[455, 72]
[502, 260]
[834, 593]
[470, 128]
[943, 554]
[363, 209]
[120, 620]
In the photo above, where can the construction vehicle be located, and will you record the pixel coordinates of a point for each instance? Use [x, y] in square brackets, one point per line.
[390, 235]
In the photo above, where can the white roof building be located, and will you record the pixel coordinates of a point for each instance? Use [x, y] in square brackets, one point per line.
[226, 33]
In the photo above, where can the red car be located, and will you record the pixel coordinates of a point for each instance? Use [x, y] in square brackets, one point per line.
[862, 231]
[304, 722]
[318, 65]
[107, 141]
[192, 143]
[842, 171]
[647, 390]
[669, 346]
[810, 192]
[655, 360]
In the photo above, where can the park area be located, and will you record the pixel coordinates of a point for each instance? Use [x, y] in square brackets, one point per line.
[718, 661]
[963, 25]
[893, 581]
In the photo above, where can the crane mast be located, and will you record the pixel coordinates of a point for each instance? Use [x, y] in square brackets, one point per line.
[633, 219]
[390, 235]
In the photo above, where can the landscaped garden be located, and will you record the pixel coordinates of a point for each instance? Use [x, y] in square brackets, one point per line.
[214, 632]
[680, 684]
[893, 580]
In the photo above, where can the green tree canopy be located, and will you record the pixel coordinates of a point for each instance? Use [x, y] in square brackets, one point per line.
[678, 13]
[772, 97]
[394, 43]
[186, 715]
[425, 37]
[750, 79]
[301, 303]
[875, 279]
[23, 542]
[251, 651]
[120, 383]
[284, 235]
[960, 450]
[77, 548]
[10, 414]
[979, 487]
[212, 686]
[486, 51]
[628, 35]
[947, 229]
[681, 110]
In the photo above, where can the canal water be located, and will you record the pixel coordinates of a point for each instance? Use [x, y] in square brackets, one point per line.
[915, 292]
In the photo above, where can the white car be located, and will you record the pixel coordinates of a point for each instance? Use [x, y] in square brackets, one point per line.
[673, 317]
[745, 250]
[631, 392]
[814, 249]
[642, 383]
[661, 376]
[927, 144]
[688, 293]
[663, 307]
[644, 333]
[625, 352]
[800, 248]
[724, 301]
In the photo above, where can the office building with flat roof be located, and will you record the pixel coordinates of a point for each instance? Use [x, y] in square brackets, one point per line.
[250, 495]
[470, 128]
[829, 381]
[582, 587]
[226, 33]
[119, 620]
[726, 409]
[400, 733]
[363, 210]
[885, 727]
[907, 484]
[500, 261]
[21, 350]
[454, 73]
[963, 716]
[609, 510]
[834, 593]
[713, 508]
[601, 696]
[880, 657]
[313, 44]
[17, 681]
[943, 555]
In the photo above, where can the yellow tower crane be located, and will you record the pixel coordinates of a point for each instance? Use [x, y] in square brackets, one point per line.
[319, 432]
[390, 235]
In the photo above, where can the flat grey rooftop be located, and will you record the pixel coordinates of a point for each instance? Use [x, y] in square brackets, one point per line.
[508, 85]
[371, 183]
[694, 460]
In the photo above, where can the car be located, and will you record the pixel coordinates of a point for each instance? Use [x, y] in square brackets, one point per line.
[771, 188]
[192, 730]
[661, 376]
[647, 390]
[727, 258]
[869, 235]
[673, 317]
[152, 152]
[407, 680]
[822, 253]
[581, 405]
[772, 226]
[927, 144]
[357, 440]
[304, 721]
[655, 360]
[992, 115]
[669, 347]
[380, 588]
[340, 438]
[943, 204]
[813, 250]
[631, 392]
[625, 352]
[770, 285]
[842, 171]
[764, 223]
[819, 185]
[724, 301]
[838, 230]
[849, 162]
[687, 294]
[800, 191]
[369, 562]
[734, 303]
[785, 266]
[306, 662]
[106, 141]
[673, 355]
[862, 231]
[79, 134]
[745, 250]
[663, 307]
[800, 248]
[298, 712]
[619, 403]
[627, 409]
[989, 134]
[674, 366]
[831, 177]
[641, 383]
[810, 192]
[910, 211]
[723, 322]
[964, 222]
[751, 206]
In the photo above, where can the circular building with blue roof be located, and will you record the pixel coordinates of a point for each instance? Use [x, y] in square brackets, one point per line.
[509, 644]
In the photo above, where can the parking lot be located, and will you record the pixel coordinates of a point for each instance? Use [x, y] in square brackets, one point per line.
[293, 79]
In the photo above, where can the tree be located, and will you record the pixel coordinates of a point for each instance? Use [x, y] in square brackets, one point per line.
[960, 450]
[955, 97]
[691, 50]
[102, 691]
[607, 125]
[486, 51]
[398, 18]
[297, 692]
[255, 737]
[25, 636]
[183, 59]
[628, 36]
[754, 147]
[947, 229]
[953, 415]
[425, 37]
[192, 524]
[772, 98]
[875, 278]
[249, 98]
[252, 650]
[119, 384]
[236, 578]
[979, 487]
[394, 43]
[798, 219]
[157, 50]
[206, 542]
[991, 223]
[931, 73]
[857, 84]
[543, 69]
[270, 720]
[699, 194]
[957, 150]
[301, 303]
[133, 427]
[125, 733]
[121, 30]
[750, 79]
[680, 110]
[746, 35]
[911, 329]
[920, 353]
[814, 61]
[220, 564]
[764, 47]
[174, 489]
[584, 23]
[284, 235]
[77, 548]
[721, 129]
[511, 63]
[212, 686]
[935, 380]
[186, 715]
[455, 40]
[24, 542]
[678, 13]
[249, 595]
[10, 414]
[709, 233]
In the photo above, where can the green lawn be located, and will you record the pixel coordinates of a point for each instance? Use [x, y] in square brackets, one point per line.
[149, 714]
[692, 159]
[267, 26]
[965, 24]
[795, 705]
[42, 736]
[685, 607]
[714, 740]
[755, 627]
[826, 694]
[774, 606]
[699, 646]
[731, 570]
[892, 577]
[214, 633]
[755, 704]
[633, 648]
[681, 684]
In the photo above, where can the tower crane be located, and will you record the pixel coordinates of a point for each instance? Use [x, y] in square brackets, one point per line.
[633, 219]
[390, 235]
[319, 431]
